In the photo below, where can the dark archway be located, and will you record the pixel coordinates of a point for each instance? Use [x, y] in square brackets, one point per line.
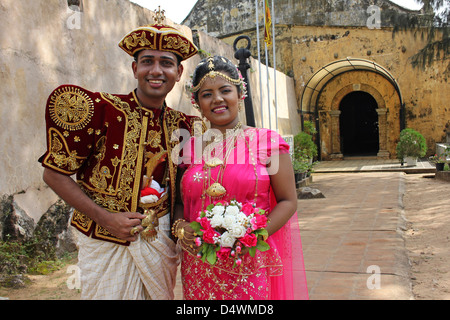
[359, 124]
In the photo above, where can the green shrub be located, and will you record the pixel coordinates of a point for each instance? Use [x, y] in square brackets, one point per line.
[304, 145]
[411, 144]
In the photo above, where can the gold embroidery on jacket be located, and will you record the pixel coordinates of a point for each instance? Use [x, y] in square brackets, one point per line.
[116, 198]
[81, 220]
[99, 175]
[129, 162]
[71, 108]
[65, 159]
[154, 138]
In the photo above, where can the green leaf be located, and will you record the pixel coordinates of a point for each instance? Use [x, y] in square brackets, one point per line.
[252, 251]
[196, 226]
[211, 256]
[204, 250]
[262, 246]
[262, 232]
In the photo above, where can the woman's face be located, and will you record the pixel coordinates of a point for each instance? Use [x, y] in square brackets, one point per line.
[219, 102]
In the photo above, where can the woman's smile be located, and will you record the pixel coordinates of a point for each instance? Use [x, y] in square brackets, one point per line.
[220, 109]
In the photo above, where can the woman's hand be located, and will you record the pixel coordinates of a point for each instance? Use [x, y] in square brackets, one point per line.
[186, 237]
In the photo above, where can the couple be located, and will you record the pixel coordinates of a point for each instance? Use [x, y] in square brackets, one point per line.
[118, 144]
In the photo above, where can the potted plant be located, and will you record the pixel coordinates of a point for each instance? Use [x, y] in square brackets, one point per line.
[440, 160]
[300, 169]
[412, 145]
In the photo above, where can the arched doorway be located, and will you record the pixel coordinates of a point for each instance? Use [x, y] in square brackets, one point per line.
[321, 103]
[358, 123]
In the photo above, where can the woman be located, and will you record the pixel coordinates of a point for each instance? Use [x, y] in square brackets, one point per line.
[235, 162]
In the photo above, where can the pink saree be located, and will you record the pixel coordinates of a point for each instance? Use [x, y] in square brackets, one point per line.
[276, 274]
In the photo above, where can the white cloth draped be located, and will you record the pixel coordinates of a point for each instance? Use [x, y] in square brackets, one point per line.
[144, 270]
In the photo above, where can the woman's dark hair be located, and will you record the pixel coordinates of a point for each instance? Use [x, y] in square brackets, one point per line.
[219, 64]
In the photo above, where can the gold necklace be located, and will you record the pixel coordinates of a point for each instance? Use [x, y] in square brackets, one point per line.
[221, 142]
[216, 190]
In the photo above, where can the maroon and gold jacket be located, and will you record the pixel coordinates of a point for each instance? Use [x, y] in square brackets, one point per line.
[109, 142]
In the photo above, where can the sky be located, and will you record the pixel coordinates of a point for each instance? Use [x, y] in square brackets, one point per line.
[177, 10]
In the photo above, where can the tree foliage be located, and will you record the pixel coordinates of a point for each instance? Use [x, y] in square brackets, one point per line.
[432, 24]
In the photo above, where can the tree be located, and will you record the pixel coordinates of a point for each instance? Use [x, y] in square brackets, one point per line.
[430, 24]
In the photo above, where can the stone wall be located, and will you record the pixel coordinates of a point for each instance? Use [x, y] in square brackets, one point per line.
[312, 34]
[46, 43]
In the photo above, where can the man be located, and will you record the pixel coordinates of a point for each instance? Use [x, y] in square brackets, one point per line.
[111, 142]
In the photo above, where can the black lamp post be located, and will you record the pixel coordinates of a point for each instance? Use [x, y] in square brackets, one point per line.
[242, 55]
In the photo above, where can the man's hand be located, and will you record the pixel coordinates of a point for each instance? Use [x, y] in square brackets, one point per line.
[119, 224]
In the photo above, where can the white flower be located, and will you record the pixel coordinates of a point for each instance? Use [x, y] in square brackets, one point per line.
[227, 240]
[208, 214]
[237, 231]
[217, 220]
[232, 210]
[235, 203]
[218, 210]
[242, 219]
[229, 221]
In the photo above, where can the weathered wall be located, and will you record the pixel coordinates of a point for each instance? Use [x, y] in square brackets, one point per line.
[43, 44]
[312, 34]
[221, 18]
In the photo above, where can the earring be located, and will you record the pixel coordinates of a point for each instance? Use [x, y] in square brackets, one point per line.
[241, 105]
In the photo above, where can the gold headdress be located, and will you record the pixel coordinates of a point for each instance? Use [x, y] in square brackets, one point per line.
[213, 74]
[159, 37]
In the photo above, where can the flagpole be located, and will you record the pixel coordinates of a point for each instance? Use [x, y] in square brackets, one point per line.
[268, 85]
[274, 64]
[259, 61]
[267, 40]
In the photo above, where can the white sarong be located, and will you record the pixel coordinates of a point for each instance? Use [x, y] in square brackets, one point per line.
[143, 270]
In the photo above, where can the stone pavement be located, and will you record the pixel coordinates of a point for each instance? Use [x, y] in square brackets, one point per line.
[367, 164]
[352, 239]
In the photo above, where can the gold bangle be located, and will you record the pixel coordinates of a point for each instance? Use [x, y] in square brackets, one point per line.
[180, 233]
[175, 227]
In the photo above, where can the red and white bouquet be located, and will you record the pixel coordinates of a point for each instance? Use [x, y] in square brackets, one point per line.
[224, 229]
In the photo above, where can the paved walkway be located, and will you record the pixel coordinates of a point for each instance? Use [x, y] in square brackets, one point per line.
[352, 239]
[373, 165]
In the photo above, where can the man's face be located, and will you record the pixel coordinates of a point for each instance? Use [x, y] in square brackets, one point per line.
[156, 72]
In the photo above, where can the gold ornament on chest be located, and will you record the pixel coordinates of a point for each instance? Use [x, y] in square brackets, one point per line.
[214, 162]
[216, 190]
[227, 142]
